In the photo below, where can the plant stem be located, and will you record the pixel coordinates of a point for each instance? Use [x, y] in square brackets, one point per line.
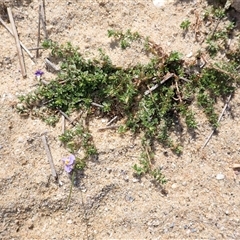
[70, 192]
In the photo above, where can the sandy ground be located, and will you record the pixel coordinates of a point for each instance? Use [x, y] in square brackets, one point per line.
[109, 202]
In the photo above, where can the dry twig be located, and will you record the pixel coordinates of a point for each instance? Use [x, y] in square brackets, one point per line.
[96, 105]
[178, 92]
[63, 124]
[166, 77]
[52, 65]
[35, 48]
[108, 127]
[184, 79]
[49, 156]
[22, 45]
[219, 119]
[19, 49]
[39, 22]
[109, 123]
[43, 19]
[66, 116]
[215, 28]
[148, 150]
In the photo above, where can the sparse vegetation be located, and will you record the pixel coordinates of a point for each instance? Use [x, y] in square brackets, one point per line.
[220, 32]
[153, 98]
[185, 25]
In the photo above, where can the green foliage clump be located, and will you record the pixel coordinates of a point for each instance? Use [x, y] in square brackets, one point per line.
[145, 167]
[185, 25]
[153, 98]
[78, 137]
[125, 39]
[218, 37]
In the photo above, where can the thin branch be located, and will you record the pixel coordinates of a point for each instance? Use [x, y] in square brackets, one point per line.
[39, 23]
[52, 65]
[63, 124]
[109, 123]
[35, 48]
[96, 105]
[43, 19]
[78, 116]
[66, 116]
[151, 89]
[215, 28]
[223, 71]
[49, 156]
[184, 79]
[44, 82]
[108, 127]
[19, 49]
[23, 46]
[219, 119]
[44, 10]
[166, 77]
[148, 155]
[178, 92]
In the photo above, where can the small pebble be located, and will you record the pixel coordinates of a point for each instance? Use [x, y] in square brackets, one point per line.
[220, 176]
[20, 140]
[31, 226]
[174, 186]
[126, 178]
[69, 221]
[172, 225]
[153, 223]
[189, 55]
[227, 212]
[165, 230]
[158, 3]
[135, 180]
[129, 198]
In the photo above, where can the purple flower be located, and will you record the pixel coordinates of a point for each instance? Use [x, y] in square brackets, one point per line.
[39, 74]
[69, 163]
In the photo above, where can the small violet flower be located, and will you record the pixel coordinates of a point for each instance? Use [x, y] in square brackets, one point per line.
[39, 74]
[69, 163]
